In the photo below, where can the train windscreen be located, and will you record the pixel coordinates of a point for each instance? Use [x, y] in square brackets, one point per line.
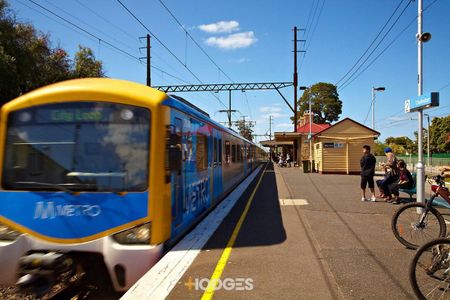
[78, 146]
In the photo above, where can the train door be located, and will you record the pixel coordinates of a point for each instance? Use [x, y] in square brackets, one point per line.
[178, 207]
[217, 164]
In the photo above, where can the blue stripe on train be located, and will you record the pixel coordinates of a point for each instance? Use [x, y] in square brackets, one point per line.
[64, 216]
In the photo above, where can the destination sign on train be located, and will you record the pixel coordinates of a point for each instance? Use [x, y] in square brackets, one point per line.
[63, 115]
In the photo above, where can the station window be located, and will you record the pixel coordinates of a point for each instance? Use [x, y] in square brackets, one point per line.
[202, 152]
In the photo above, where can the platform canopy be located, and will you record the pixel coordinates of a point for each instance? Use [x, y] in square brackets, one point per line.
[273, 143]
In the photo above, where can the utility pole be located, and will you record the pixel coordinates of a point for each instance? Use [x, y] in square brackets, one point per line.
[270, 127]
[149, 75]
[148, 57]
[310, 135]
[295, 81]
[419, 166]
[229, 110]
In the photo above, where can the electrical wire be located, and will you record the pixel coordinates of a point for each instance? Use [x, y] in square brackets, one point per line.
[309, 40]
[376, 47]
[90, 26]
[387, 47]
[195, 42]
[165, 47]
[95, 37]
[129, 35]
[373, 41]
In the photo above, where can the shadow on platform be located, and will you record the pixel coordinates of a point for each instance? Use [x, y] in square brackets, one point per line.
[263, 224]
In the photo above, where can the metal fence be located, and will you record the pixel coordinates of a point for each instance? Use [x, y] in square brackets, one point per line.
[436, 163]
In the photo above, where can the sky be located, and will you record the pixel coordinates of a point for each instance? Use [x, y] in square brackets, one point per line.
[252, 41]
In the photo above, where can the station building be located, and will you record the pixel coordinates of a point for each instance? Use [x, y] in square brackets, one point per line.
[335, 149]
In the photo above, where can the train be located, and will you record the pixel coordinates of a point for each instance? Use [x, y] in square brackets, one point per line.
[101, 175]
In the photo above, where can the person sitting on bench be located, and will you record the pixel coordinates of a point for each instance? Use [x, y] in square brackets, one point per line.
[445, 171]
[405, 181]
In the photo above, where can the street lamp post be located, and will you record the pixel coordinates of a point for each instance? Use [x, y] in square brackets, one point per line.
[374, 89]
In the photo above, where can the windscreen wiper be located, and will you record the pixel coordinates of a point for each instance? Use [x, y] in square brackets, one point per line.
[46, 184]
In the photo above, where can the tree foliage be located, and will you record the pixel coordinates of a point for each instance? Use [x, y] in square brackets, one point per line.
[28, 61]
[325, 103]
[440, 135]
[86, 65]
[245, 129]
[401, 145]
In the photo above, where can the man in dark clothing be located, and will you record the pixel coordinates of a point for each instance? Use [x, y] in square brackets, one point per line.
[367, 163]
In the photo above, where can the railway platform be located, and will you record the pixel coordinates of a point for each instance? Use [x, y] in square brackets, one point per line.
[299, 236]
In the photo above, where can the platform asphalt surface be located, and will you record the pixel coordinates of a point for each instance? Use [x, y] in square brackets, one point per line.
[331, 246]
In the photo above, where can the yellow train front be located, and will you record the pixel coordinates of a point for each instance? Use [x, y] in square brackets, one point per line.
[99, 175]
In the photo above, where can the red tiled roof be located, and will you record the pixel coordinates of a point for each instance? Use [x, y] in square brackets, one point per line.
[315, 128]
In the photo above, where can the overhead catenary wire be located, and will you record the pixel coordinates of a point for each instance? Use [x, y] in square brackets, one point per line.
[314, 22]
[127, 34]
[165, 47]
[371, 44]
[379, 43]
[310, 38]
[387, 47]
[90, 26]
[132, 38]
[96, 37]
[199, 46]
[195, 42]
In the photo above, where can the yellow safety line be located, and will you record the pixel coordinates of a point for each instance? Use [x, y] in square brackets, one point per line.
[209, 292]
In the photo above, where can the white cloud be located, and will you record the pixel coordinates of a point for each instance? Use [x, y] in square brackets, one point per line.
[285, 125]
[220, 27]
[397, 118]
[233, 41]
[240, 60]
[270, 109]
[275, 115]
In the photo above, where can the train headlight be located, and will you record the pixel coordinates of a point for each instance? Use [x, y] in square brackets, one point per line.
[7, 233]
[139, 235]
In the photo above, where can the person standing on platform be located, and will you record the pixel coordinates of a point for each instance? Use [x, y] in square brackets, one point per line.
[367, 163]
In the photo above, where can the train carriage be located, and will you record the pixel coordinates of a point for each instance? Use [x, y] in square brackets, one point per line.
[100, 174]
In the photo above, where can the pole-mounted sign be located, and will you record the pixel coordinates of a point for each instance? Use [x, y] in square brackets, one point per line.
[425, 101]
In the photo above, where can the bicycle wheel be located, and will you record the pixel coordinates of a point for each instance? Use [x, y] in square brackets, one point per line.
[429, 272]
[410, 232]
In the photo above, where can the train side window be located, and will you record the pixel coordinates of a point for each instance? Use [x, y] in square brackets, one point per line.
[215, 151]
[227, 152]
[202, 152]
[220, 150]
[233, 153]
[239, 153]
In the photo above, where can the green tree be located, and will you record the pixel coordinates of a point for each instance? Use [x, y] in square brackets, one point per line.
[86, 65]
[440, 135]
[245, 129]
[325, 103]
[401, 145]
[379, 148]
[28, 61]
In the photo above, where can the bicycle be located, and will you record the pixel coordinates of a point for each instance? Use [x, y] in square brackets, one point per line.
[417, 223]
[429, 272]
